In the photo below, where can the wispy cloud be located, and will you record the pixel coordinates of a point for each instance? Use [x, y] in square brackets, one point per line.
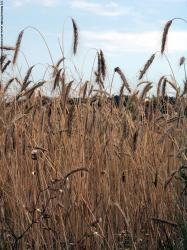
[102, 9]
[47, 3]
[118, 42]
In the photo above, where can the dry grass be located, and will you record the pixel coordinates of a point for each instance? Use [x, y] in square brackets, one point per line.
[90, 175]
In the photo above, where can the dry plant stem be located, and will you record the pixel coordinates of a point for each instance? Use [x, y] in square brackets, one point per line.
[126, 220]
[185, 72]
[7, 48]
[166, 57]
[92, 69]
[85, 60]
[44, 40]
[111, 84]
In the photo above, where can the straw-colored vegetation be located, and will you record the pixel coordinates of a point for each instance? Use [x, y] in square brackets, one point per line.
[85, 173]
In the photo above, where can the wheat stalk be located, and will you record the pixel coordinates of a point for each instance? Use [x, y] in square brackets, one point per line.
[8, 84]
[173, 86]
[2, 59]
[146, 66]
[75, 36]
[185, 88]
[164, 35]
[67, 91]
[57, 79]
[6, 65]
[182, 61]
[159, 85]
[57, 65]
[25, 81]
[145, 90]
[7, 48]
[123, 78]
[18, 43]
[99, 72]
[85, 89]
[164, 87]
[103, 64]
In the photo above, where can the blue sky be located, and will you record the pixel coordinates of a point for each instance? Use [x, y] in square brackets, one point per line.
[127, 31]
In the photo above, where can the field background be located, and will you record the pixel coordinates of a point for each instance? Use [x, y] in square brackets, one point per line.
[85, 173]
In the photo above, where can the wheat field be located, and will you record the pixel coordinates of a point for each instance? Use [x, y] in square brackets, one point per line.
[85, 173]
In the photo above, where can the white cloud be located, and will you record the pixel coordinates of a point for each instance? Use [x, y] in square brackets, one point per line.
[108, 9]
[119, 42]
[47, 3]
